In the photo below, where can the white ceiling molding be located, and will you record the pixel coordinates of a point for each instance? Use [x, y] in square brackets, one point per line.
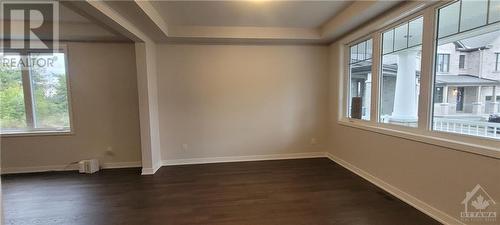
[73, 31]
[153, 14]
[354, 16]
[102, 12]
[244, 32]
[138, 20]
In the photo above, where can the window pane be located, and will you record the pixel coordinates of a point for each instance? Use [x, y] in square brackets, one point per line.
[400, 87]
[447, 62]
[467, 104]
[400, 36]
[461, 63]
[369, 46]
[498, 62]
[448, 19]
[494, 11]
[354, 53]
[360, 84]
[361, 51]
[12, 110]
[438, 94]
[49, 90]
[415, 32]
[388, 41]
[360, 90]
[473, 14]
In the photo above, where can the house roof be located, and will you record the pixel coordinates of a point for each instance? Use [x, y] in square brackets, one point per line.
[481, 40]
[464, 80]
[475, 43]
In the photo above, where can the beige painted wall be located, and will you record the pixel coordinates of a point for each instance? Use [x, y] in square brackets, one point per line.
[436, 175]
[105, 112]
[241, 100]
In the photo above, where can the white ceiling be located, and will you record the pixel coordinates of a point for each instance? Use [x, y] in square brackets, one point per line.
[260, 21]
[65, 15]
[257, 13]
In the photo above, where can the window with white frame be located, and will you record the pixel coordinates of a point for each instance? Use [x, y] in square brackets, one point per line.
[400, 78]
[360, 79]
[34, 92]
[443, 63]
[467, 28]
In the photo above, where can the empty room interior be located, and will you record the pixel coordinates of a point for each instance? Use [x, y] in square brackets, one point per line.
[254, 112]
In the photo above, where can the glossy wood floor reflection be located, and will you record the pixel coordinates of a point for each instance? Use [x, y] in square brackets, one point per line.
[282, 192]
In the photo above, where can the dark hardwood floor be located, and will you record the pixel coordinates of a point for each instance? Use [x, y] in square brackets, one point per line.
[282, 192]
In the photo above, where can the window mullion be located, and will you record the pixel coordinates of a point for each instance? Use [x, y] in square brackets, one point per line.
[344, 62]
[427, 67]
[376, 62]
[27, 91]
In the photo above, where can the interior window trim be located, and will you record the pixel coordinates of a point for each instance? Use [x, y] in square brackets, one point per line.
[423, 132]
[31, 130]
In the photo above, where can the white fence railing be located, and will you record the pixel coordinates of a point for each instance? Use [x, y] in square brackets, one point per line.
[476, 128]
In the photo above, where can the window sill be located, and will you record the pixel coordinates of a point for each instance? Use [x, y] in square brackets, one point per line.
[37, 133]
[486, 147]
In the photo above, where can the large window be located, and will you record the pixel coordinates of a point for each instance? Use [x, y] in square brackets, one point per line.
[465, 30]
[33, 92]
[436, 75]
[360, 73]
[401, 56]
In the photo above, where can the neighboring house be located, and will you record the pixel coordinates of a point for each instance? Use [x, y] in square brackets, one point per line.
[467, 82]
[468, 76]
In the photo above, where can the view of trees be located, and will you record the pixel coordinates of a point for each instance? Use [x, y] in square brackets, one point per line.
[12, 111]
[49, 95]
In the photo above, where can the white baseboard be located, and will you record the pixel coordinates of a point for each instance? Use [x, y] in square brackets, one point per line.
[151, 171]
[36, 169]
[69, 167]
[398, 193]
[173, 162]
[119, 165]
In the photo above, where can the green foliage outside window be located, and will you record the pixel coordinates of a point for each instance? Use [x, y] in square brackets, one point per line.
[48, 94]
[12, 111]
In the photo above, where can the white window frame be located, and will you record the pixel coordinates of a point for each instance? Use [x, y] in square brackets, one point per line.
[363, 39]
[442, 65]
[423, 133]
[28, 100]
[379, 69]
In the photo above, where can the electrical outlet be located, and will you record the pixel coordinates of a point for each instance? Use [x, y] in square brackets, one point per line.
[109, 151]
[314, 141]
[185, 147]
